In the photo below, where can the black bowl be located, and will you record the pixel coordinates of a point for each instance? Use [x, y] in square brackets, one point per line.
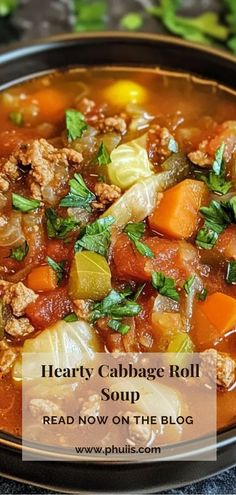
[20, 63]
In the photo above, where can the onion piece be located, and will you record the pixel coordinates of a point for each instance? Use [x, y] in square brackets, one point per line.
[187, 302]
[140, 118]
[165, 304]
[62, 345]
[140, 200]
[11, 233]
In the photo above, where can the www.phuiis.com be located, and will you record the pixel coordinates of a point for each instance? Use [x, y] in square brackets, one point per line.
[126, 449]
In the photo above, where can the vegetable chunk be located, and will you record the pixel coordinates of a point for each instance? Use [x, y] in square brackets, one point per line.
[90, 276]
[220, 310]
[42, 278]
[125, 91]
[177, 213]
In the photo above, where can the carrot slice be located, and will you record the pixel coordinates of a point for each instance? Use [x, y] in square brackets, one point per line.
[220, 310]
[51, 102]
[177, 213]
[42, 279]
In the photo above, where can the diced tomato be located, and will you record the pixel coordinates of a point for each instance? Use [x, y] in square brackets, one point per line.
[226, 244]
[49, 308]
[58, 250]
[174, 258]
[226, 134]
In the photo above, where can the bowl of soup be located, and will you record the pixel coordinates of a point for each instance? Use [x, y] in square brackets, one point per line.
[117, 227]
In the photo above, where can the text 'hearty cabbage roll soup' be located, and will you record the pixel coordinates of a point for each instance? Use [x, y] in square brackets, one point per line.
[118, 210]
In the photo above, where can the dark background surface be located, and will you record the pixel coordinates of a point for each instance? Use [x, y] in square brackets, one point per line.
[39, 18]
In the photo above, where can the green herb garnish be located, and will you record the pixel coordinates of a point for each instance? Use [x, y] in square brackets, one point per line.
[57, 267]
[202, 295]
[89, 15]
[204, 28]
[218, 215]
[115, 305]
[7, 7]
[79, 195]
[57, 226]
[24, 204]
[188, 285]
[131, 21]
[165, 285]
[96, 236]
[231, 273]
[20, 252]
[17, 118]
[135, 231]
[216, 179]
[118, 326]
[70, 318]
[75, 124]
[103, 157]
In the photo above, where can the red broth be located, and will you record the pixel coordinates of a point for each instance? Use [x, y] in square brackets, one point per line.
[179, 119]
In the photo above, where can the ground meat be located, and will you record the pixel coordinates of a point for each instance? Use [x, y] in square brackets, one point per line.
[115, 123]
[18, 296]
[44, 160]
[87, 106]
[225, 367]
[138, 434]
[158, 144]
[224, 133]
[106, 195]
[41, 407]
[7, 357]
[82, 308]
[18, 327]
[4, 184]
[91, 407]
[200, 158]
[10, 168]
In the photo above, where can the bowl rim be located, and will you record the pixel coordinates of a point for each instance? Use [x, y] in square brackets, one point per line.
[12, 51]
[227, 435]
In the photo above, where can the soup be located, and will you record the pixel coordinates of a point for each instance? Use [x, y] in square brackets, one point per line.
[118, 212]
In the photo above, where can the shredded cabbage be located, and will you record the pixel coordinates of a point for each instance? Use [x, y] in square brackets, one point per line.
[62, 345]
[129, 163]
[140, 200]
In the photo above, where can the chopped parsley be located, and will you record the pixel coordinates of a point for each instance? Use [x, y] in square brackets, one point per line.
[116, 306]
[57, 226]
[24, 204]
[231, 273]
[103, 156]
[135, 231]
[79, 195]
[57, 267]
[20, 252]
[118, 326]
[17, 118]
[165, 285]
[189, 284]
[70, 318]
[96, 236]
[75, 124]
[218, 215]
[216, 180]
[202, 295]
